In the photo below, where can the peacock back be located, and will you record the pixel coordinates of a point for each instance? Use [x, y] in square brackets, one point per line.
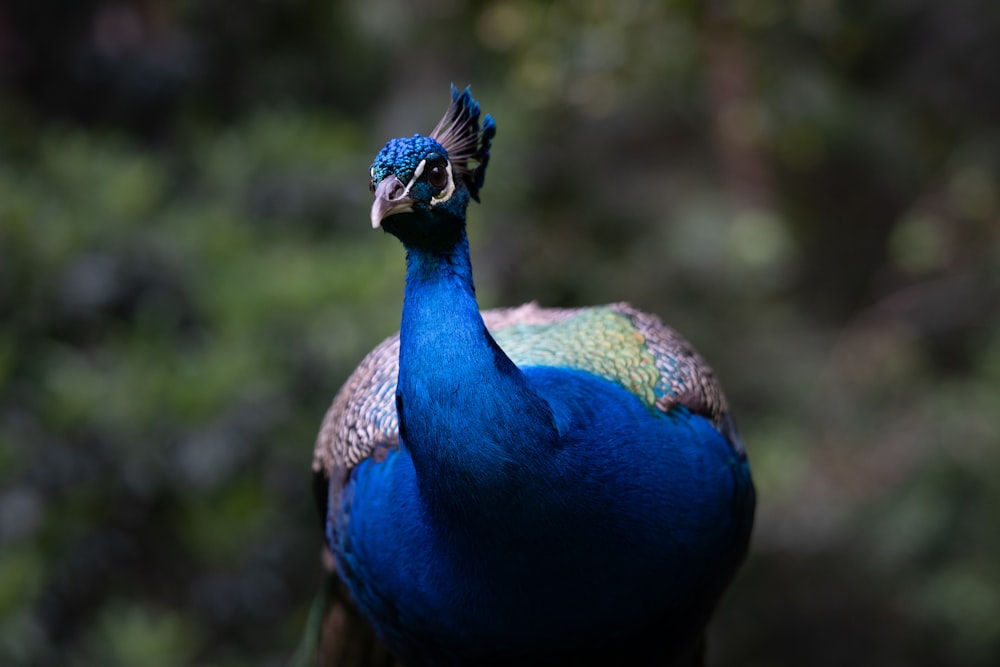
[616, 342]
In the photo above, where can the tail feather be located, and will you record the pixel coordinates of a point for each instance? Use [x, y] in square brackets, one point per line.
[337, 635]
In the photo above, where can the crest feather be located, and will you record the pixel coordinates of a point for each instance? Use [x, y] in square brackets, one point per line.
[468, 146]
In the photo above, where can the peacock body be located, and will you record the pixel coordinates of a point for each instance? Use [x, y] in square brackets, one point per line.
[530, 485]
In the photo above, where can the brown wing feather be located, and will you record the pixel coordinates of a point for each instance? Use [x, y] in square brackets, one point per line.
[688, 379]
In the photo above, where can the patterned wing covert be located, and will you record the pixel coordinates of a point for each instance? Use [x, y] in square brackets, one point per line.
[621, 344]
[616, 342]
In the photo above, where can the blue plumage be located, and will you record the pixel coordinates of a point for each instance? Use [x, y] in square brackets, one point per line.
[577, 495]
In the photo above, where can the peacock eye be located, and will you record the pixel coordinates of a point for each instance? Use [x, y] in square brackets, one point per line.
[371, 186]
[437, 176]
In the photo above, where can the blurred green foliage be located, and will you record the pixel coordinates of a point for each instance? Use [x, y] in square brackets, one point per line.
[808, 190]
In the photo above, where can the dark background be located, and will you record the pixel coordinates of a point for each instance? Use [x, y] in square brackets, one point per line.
[808, 190]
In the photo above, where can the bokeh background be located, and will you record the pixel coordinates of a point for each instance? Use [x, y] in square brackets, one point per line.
[809, 190]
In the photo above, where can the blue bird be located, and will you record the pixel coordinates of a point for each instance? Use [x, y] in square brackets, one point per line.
[526, 486]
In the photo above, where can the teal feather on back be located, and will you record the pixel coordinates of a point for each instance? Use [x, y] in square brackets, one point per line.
[621, 344]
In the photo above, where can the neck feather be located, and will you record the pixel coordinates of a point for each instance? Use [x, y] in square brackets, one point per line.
[467, 416]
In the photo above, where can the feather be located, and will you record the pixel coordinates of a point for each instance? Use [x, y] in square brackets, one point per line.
[468, 147]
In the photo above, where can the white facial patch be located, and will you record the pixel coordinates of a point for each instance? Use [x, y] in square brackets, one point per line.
[448, 191]
[449, 188]
[416, 174]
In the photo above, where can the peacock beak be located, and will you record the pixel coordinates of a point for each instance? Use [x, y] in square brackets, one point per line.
[391, 197]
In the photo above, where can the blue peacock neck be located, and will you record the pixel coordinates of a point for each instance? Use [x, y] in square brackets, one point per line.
[472, 425]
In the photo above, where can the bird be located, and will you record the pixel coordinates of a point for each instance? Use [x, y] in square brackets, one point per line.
[524, 485]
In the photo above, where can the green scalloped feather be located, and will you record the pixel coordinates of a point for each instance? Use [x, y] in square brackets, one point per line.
[596, 340]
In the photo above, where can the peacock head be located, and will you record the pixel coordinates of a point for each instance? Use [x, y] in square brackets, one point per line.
[422, 184]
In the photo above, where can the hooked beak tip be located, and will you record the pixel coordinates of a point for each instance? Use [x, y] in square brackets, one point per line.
[390, 198]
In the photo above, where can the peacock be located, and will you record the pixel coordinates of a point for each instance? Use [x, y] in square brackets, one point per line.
[522, 486]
